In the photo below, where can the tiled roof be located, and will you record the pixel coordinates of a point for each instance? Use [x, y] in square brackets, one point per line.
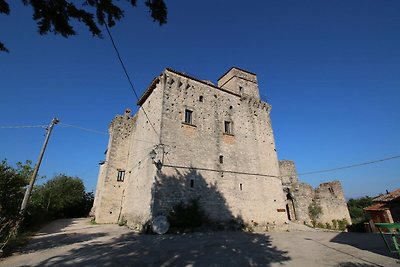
[395, 195]
[378, 206]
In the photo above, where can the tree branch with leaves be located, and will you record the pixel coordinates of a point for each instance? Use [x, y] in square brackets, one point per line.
[55, 15]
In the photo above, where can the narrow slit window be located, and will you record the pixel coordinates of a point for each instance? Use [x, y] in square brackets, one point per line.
[228, 127]
[241, 187]
[188, 116]
[121, 176]
[201, 98]
[191, 183]
[221, 159]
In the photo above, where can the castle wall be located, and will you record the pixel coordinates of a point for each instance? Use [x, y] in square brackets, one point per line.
[213, 144]
[333, 204]
[109, 193]
[248, 149]
[288, 172]
[137, 203]
[303, 195]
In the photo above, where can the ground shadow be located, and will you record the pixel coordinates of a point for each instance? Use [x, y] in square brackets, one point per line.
[365, 241]
[194, 249]
[52, 227]
[352, 264]
[57, 240]
[205, 248]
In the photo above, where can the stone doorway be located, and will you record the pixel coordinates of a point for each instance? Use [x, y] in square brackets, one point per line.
[290, 208]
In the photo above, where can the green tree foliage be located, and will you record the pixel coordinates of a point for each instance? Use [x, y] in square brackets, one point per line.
[61, 197]
[12, 184]
[356, 207]
[55, 16]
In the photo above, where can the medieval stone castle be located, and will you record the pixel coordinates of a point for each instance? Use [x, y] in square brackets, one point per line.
[191, 139]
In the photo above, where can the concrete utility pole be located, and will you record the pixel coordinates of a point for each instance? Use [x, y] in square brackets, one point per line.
[36, 169]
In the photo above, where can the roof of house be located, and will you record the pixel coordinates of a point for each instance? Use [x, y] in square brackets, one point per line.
[378, 206]
[395, 195]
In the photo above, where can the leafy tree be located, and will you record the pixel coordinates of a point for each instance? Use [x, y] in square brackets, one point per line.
[356, 207]
[12, 184]
[61, 195]
[11, 190]
[314, 211]
[54, 16]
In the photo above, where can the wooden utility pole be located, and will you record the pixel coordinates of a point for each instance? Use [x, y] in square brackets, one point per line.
[36, 169]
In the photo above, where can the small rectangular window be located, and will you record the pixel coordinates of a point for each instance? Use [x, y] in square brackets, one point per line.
[201, 98]
[191, 183]
[121, 176]
[241, 187]
[228, 127]
[221, 159]
[188, 116]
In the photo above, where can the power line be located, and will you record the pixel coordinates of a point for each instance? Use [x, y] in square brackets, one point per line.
[98, 132]
[24, 126]
[350, 166]
[184, 167]
[221, 171]
[127, 76]
[82, 128]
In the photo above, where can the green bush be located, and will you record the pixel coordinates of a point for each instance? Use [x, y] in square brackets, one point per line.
[334, 224]
[314, 211]
[356, 207]
[342, 224]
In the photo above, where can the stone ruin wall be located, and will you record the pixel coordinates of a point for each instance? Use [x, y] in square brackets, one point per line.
[333, 204]
[329, 196]
[288, 172]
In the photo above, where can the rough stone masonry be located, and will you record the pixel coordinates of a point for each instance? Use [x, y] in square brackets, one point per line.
[191, 139]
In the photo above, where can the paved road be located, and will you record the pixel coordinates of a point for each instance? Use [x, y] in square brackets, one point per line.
[77, 242]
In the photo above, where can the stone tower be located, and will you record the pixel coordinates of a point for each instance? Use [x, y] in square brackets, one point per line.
[192, 139]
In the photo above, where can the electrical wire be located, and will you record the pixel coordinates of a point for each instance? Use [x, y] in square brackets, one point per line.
[127, 76]
[206, 169]
[350, 166]
[220, 171]
[82, 128]
[24, 126]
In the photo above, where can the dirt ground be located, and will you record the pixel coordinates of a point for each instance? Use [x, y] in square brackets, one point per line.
[77, 242]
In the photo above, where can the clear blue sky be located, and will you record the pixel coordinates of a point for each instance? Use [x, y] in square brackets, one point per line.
[330, 70]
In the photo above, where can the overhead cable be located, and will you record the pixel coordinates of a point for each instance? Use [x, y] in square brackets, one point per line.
[82, 128]
[350, 166]
[127, 76]
[23, 126]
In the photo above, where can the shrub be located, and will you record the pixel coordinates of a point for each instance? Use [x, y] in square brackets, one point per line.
[334, 224]
[314, 211]
[342, 224]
